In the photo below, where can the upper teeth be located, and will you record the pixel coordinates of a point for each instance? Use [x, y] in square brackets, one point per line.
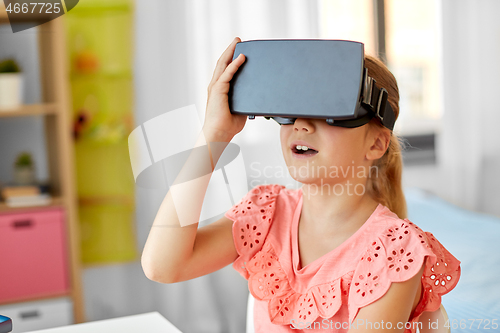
[302, 148]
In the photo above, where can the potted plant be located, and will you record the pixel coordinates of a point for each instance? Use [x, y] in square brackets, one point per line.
[24, 169]
[10, 84]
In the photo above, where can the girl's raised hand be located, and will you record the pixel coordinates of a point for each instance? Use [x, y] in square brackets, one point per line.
[219, 121]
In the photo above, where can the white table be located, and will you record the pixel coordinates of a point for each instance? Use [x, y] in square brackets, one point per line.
[152, 322]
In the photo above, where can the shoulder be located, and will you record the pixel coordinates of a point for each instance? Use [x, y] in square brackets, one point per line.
[396, 251]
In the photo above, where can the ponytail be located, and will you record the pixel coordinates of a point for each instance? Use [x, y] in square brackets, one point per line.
[385, 183]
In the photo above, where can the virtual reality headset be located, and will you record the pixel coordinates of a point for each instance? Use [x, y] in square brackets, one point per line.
[323, 79]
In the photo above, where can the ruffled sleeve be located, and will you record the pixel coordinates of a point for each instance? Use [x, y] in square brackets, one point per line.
[396, 255]
[252, 217]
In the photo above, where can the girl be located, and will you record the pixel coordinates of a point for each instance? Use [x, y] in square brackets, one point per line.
[336, 255]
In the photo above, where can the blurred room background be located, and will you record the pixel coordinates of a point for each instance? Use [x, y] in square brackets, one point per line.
[128, 62]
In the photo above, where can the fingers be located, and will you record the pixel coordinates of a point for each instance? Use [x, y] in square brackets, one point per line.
[231, 69]
[223, 61]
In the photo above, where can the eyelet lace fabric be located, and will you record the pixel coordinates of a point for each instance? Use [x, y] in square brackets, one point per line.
[394, 254]
[253, 216]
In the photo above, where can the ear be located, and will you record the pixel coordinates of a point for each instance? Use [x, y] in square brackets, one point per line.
[379, 143]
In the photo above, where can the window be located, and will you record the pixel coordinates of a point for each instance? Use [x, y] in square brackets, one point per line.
[406, 35]
[350, 20]
[412, 48]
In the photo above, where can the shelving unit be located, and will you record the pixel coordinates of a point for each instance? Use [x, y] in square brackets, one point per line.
[56, 112]
[56, 202]
[30, 110]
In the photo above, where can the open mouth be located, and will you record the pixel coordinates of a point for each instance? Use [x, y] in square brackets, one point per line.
[303, 150]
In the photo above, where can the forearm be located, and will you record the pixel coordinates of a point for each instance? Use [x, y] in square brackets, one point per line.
[171, 240]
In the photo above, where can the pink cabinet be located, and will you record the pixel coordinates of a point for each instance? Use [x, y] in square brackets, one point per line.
[33, 257]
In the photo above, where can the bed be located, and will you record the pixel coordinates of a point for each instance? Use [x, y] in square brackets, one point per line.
[474, 239]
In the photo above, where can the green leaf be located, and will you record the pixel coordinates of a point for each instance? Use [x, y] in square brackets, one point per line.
[9, 66]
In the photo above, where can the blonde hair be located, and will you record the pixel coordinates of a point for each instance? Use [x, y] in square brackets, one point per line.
[386, 186]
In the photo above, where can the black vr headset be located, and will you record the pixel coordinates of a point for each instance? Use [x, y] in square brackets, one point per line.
[323, 79]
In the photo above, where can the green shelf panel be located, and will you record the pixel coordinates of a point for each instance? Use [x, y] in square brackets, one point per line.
[107, 234]
[100, 49]
[95, 7]
[105, 105]
[100, 42]
[103, 170]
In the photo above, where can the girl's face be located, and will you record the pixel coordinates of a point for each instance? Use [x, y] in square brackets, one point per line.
[333, 153]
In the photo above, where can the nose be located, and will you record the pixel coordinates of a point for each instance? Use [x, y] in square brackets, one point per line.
[303, 124]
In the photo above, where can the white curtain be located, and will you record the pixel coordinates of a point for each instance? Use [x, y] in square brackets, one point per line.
[469, 145]
[177, 46]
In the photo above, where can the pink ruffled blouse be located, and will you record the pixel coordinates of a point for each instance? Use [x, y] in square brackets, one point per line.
[326, 295]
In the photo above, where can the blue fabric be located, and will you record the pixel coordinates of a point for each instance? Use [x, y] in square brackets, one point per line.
[474, 239]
